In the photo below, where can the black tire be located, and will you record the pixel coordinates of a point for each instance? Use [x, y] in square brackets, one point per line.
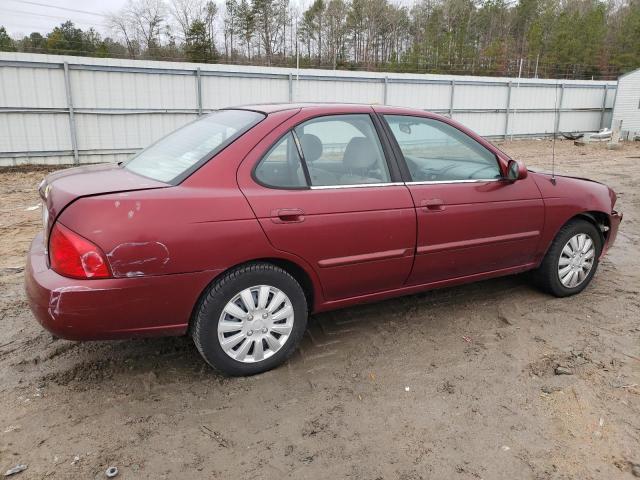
[546, 276]
[204, 328]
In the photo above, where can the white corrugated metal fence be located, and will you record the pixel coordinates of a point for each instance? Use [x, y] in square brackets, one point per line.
[63, 109]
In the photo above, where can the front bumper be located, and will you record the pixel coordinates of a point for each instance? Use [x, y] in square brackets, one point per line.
[110, 308]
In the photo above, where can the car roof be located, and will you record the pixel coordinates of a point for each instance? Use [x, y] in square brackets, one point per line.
[268, 108]
[279, 107]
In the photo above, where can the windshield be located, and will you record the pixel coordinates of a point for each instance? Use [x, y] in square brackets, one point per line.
[175, 156]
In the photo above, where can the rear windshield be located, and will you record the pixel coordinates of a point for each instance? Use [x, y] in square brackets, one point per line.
[174, 157]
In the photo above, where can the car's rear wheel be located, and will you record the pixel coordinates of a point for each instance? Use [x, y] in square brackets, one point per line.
[572, 259]
[250, 320]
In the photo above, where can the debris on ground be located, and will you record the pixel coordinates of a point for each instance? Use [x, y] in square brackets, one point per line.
[601, 136]
[572, 135]
[505, 319]
[217, 436]
[17, 469]
[111, 472]
[12, 270]
[447, 387]
[560, 370]
[549, 390]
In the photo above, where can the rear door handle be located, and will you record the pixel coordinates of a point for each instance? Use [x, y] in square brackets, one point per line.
[432, 205]
[287, 215]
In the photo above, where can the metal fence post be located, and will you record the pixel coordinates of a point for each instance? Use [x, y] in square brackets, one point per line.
[613, 108]
[604, 104]
[558, 110]
[506, 119]
[199, 90]
[386, 90]
[72, 120]
[290, 87]
[453, 87]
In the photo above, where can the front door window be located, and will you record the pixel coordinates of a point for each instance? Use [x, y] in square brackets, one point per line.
[435, 151]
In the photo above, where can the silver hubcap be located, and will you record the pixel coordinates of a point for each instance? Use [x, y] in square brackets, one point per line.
[255, 324]
[576, 260]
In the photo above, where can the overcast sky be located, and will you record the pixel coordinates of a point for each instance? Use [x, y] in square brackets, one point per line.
[22, 17]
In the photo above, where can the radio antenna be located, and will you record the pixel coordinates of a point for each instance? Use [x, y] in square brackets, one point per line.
[555, 133]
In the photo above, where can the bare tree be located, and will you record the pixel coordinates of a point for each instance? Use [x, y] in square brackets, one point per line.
[336, 25]
[148, 16]
[230, 27]
[140, 23]
[268, 21]
[185, 12]
[246, 25]
[294, 14]
[210, 13]
[123, 26]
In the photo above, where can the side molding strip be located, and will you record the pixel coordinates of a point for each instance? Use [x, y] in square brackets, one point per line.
[366, 257]
[476, 242]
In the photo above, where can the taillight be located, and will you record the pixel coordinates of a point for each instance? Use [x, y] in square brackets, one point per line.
[74, 256]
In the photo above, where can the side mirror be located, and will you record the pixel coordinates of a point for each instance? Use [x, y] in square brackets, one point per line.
[516, 170]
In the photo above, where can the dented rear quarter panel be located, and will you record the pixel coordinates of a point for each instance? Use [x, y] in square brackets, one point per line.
[109, 308]
[181, 229]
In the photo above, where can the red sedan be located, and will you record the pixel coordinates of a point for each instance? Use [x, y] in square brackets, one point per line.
[237, 226]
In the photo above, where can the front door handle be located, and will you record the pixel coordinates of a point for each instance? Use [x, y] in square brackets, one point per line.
[287, 215]
[432, 205]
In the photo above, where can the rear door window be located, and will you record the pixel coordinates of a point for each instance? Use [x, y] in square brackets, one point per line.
[342, 150]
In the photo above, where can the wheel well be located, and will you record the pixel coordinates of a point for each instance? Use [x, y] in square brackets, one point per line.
[599, 220]
[291, 268]
[297, 272]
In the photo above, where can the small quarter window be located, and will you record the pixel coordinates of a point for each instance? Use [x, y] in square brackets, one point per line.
[437, 152]
[281, 166]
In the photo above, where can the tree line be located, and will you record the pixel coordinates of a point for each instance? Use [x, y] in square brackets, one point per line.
[544, 38]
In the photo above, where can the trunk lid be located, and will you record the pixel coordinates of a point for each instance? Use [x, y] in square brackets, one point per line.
[61, 188]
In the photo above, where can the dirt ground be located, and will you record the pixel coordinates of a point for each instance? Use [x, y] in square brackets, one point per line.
[452, 384]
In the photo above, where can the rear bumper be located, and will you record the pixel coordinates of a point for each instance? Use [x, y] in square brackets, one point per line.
[614, 223]
[110, 308]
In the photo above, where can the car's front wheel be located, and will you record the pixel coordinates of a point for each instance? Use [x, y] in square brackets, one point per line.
[250, 320]
[572, 259]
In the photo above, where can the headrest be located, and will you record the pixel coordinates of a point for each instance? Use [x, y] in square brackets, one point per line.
[311, 147]
[360, 153]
